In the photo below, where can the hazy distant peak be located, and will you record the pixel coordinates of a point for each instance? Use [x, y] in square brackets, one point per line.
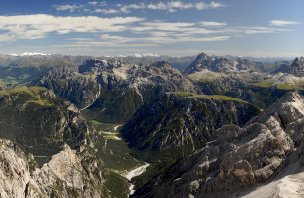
[31, 54]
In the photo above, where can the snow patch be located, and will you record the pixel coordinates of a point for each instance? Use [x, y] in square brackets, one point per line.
[31, 54]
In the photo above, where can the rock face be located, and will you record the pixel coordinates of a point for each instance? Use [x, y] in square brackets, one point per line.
[184, 120]
[113, 90]
[220, 64]
[237, 158]
[67, 174]
[66, 83]
[297, 67]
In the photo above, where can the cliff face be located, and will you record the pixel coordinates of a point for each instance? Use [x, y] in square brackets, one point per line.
[238, 158]
[184, 120]
[67, 174]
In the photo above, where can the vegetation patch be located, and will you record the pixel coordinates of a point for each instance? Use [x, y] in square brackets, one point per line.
[211, 97]
[117, 185]
[114, 152]
[34, 93]
[286, 86]
[261, 84]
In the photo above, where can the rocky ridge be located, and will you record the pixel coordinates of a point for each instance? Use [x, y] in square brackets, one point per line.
[221, 64]
[238, 158]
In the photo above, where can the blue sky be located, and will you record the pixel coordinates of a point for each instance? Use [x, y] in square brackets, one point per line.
[89, 27]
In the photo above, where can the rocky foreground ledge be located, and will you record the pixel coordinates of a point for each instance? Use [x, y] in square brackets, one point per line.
[66, 175]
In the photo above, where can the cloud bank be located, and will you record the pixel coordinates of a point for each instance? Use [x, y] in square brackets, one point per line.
[105, 8]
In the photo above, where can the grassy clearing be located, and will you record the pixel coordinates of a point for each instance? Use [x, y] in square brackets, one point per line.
[211, 97]
[33, 92]
[261, 84]
[286, 86]
[282, 86]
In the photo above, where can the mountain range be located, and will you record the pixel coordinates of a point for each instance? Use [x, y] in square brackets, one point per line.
[150, 126]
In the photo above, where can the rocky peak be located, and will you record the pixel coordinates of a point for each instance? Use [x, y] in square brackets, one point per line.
[202, 57]
[217, 64]
[220, 64]
[297, 67]
[92, 65]
[162, 64]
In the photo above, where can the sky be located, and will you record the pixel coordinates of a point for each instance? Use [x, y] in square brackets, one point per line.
[260, 28]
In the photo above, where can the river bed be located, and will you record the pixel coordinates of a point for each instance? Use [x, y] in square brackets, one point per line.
[134, 173]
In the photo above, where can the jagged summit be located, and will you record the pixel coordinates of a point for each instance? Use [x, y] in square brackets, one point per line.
[161, 64]
[219, 64]
[297, 67]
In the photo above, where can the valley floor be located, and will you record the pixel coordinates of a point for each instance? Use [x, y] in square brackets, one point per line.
[116, 155]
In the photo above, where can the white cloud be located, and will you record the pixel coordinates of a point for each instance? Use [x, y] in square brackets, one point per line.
[121, 31]
[212, 24]
[105, 8]
[106, 11]
[170, 6]
[204, 6]
[97, 3]
[283, 23]
[68, 7]
[39, 25]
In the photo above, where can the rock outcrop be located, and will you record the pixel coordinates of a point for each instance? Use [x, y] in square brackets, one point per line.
[237, 158]
[68, 174]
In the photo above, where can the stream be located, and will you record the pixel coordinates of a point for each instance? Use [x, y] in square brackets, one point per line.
[111, 146]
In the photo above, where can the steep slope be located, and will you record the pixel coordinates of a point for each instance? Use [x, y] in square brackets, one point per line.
[39, 122]
[67, 174]
[184, 120]
[113, 90]
[237, 158]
